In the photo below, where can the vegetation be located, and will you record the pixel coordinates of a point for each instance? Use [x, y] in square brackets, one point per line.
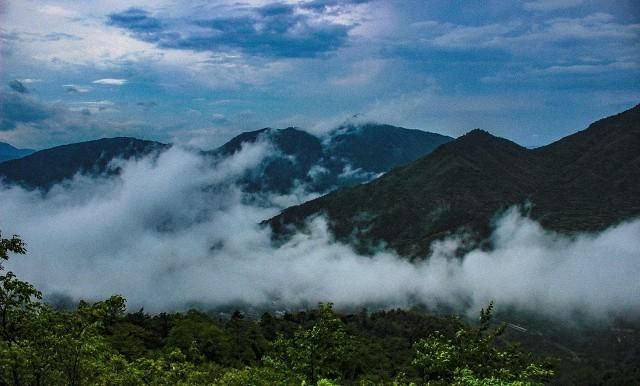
[584, 182]
[101, 344]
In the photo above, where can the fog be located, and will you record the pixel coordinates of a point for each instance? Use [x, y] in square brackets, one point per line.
[175, 231]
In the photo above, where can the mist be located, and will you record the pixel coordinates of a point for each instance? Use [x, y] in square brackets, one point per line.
[175, 231]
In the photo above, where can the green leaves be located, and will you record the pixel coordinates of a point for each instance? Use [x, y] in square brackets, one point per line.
[314, 352]
[13, 245]
[473, 357]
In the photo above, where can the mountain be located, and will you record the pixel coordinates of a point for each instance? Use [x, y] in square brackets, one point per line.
[347, 156]
[587, 181]
[44, 168]
[379, 148]
[8, 152]
[296, 152]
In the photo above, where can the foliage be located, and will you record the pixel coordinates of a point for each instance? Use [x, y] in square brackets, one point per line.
[473, 356]
[99, 343]
[318, 351]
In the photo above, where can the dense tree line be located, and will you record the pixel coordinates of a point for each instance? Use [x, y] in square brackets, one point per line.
[101, 344]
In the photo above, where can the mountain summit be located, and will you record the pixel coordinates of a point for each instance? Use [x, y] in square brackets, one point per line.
[349, 155]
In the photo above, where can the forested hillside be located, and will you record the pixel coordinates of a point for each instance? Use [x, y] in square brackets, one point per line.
[585, 182]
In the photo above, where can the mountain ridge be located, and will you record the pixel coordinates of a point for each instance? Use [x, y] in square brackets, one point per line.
[45, 168]
[463, 184]
[347, 156]
[299, 158]
[9, 152]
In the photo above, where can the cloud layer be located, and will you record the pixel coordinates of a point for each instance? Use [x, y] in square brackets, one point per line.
[544, 68]
[277, 29]
[174, 232]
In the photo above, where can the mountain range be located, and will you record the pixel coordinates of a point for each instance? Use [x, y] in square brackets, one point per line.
[45, 168]
[405, 188]
[348, 155]
[584, 182]
[8, 152]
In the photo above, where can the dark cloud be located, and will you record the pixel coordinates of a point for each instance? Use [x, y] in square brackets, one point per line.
[321, 5]
[274, 30]
[69, 89]
[38, 123]
[135, 19]
[17, 86]
[147, 104]
[19, 108]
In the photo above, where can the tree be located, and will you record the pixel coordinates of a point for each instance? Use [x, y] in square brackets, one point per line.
[196, 335]
[473, 357]
[14, 245]
[315, 352]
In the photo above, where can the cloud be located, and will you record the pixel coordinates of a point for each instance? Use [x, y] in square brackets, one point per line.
[17, 108]
[175, 231]
[93, 107]
[147, 104]
[111, 81]
[551, 5]
[135, 19]
[219, 119]
[54, 10]
[75, 89]
[272, 30]
[29, 80]
[17, 86]
[590, 68]
[571, 34]
[31, 122]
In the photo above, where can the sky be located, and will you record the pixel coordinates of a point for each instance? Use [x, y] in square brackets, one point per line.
[199, 72]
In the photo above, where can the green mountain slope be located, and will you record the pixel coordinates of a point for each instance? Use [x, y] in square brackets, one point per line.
[587, 181]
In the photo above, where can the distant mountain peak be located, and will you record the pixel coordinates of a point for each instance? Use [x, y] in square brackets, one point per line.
[9, 152]
[478, 133]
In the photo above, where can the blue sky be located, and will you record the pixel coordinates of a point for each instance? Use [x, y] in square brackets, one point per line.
[198, 72]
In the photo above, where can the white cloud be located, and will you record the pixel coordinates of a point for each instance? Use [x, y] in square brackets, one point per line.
[361, 73]
[176, 231]
[551, 5]
[111, 81]
[55, 10]
[591, 68]
[527, 39]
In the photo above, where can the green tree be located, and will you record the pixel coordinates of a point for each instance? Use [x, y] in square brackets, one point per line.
[196, 335]
[473, 356]
[315, 352]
